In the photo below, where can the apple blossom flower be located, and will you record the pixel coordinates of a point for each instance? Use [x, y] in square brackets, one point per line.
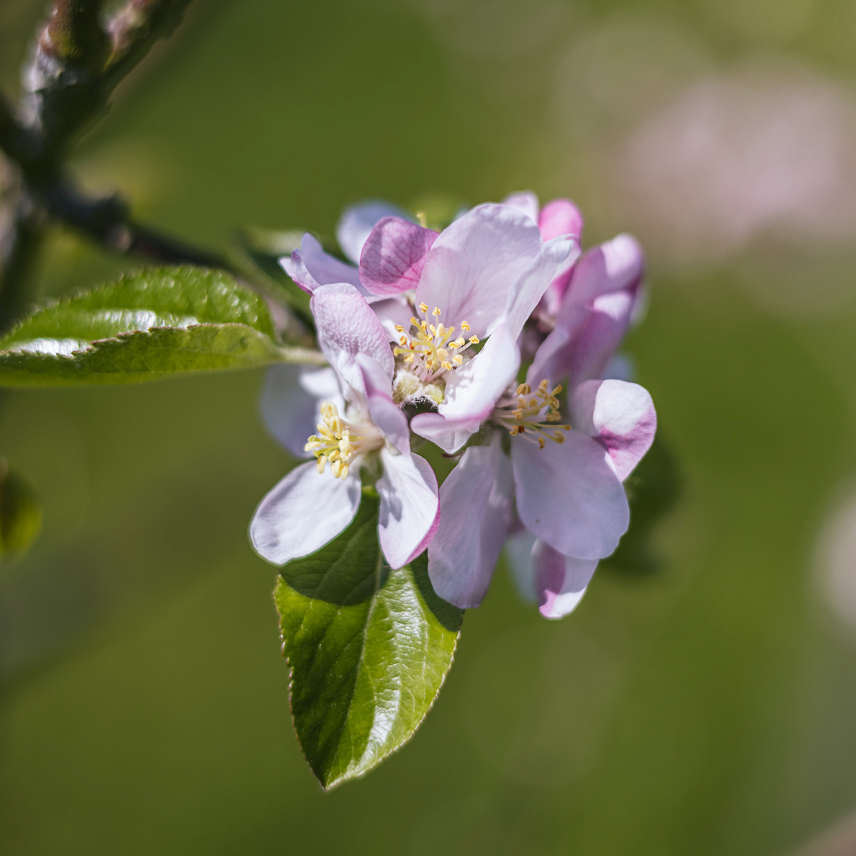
[359, 427]
[564, 478]
[620, 417]
[565, 482]
[481, 277]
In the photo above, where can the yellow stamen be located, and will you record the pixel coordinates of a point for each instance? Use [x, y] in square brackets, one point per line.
[337, 443]
[534, 416]
[427, 348]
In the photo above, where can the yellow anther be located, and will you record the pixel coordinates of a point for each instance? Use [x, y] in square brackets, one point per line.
[337, 444]
[423, 220]
[399, 328]
[431, 345]
[535, 416]
[465, 326]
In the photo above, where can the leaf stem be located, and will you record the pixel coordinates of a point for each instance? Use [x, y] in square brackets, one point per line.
[305, 356]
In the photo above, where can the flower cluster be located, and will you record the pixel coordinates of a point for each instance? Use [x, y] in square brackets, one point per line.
[494, 339]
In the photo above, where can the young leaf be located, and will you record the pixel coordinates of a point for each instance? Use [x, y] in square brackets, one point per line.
[157, 323]
[368, 649]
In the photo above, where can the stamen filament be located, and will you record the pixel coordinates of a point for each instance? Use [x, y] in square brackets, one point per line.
[337, 443]
[533, 416]
[427, 348]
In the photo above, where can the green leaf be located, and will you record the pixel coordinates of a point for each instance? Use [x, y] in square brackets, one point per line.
[20, 512]
[157, 323]
[368, 648]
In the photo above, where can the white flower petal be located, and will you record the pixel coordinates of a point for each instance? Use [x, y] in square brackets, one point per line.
[305, 511]
[620, 416]
[385, 414]
[560, 581]
[526, 202]
[347, 326]
[475, 514]
[476, 263]
[409, 507]
[556, 259]
[310, 266]
[570, 496]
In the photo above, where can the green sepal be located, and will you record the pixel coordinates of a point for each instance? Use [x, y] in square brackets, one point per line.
[154, 324]
[368, 649]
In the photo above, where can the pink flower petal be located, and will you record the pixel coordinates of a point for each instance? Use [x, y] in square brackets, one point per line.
[346, 327]
[305, 511]
[620, 416]
[569, 495]
[560, 217]
[476, 263]
[409, 507]
[310, 267]
[560, 581]
[555, 261]
[358, 221]
[394, 255]
[595, 313]
[384, 412]
[475, 504]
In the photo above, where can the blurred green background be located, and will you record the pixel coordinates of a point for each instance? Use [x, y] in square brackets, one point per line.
[707, 707]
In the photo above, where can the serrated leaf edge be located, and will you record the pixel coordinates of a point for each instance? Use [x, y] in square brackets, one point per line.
[358, 774]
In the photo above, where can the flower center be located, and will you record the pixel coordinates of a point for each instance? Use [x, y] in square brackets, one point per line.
[338, 442]
[532, 415]
[431, 348]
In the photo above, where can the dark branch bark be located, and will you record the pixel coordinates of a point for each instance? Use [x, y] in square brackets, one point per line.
[74, 68]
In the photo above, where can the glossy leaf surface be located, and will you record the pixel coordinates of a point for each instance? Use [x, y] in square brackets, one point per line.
[368, 648]
[154, 324]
